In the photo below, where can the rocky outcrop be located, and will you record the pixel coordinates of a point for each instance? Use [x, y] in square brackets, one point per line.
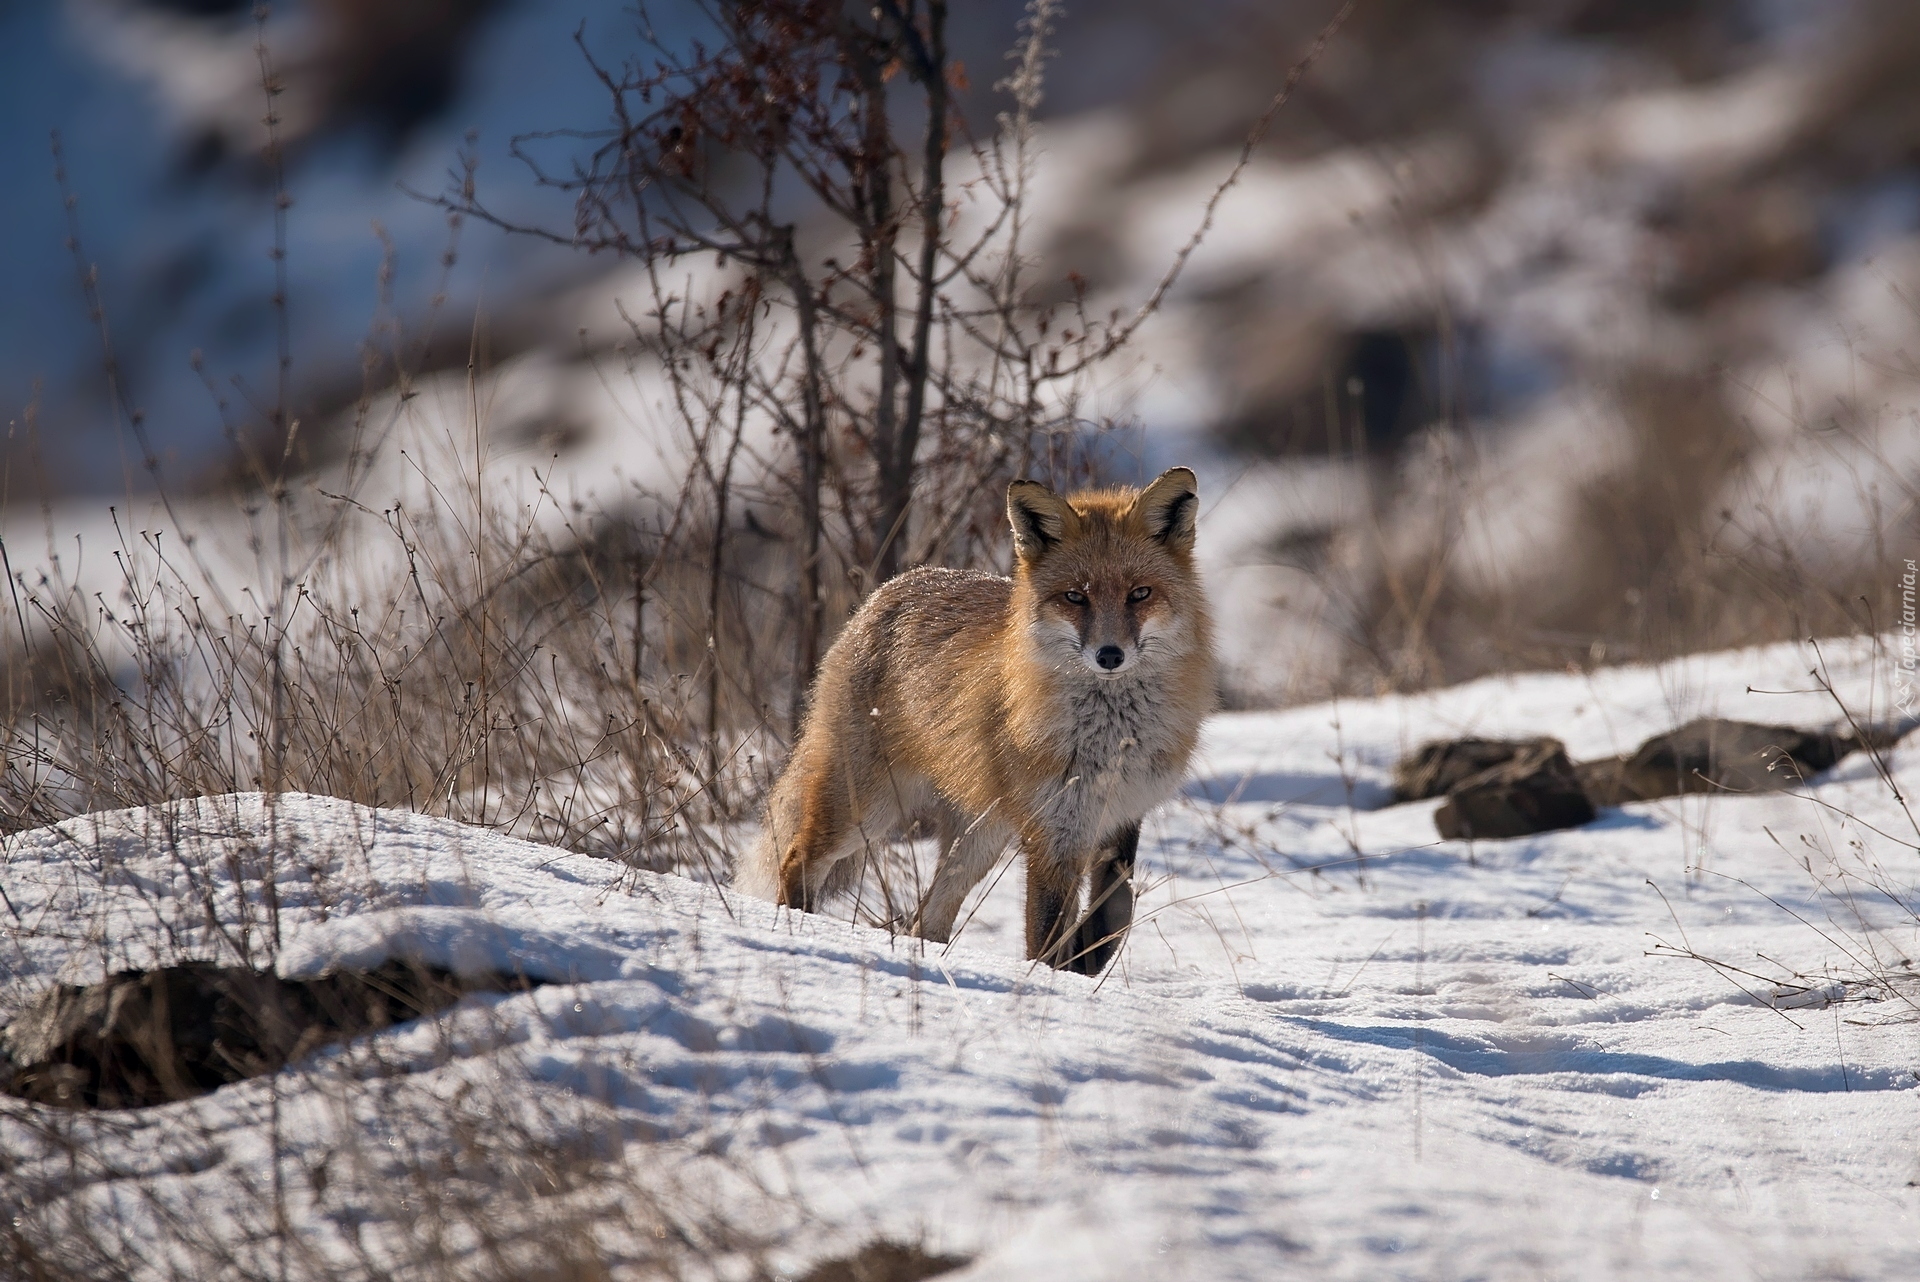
[1535, 790]
[143, 1037]
[1713, 755]
[1514, 787]
[883, 1260]
[1436, 769]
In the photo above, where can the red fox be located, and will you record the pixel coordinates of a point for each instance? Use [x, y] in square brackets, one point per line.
[1055, 707]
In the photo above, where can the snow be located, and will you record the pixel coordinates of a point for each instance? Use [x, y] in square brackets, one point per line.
[1723, 127]
[1277, 211]
[1334, 1047]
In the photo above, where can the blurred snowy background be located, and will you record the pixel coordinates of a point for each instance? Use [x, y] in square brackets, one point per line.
[1539, 332]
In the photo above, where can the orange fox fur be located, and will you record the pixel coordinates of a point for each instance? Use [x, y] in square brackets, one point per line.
[1054, 708]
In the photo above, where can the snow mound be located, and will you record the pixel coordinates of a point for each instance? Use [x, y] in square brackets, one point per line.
[1334, 1047]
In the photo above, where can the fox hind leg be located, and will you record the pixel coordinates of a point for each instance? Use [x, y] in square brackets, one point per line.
[810, 825]
[833, 821]
[967, 851]
[808, 858]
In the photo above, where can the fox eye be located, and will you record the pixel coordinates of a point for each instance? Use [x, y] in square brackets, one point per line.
[1140, 593]
[1076, 597]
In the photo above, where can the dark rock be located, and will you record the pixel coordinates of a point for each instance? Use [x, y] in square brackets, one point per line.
[1536, 790]
[885, 1261]
[139, 1038]
[1606, 781]
[1512, 787]
[1436, 769]
[1714, 755]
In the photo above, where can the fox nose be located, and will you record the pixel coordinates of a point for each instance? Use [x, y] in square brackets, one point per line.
[1109, 657]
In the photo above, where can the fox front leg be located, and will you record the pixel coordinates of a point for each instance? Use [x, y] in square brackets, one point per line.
[1051, 886]
[1109, 905]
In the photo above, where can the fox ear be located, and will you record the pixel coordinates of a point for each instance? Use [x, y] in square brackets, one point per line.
[1170, 506]
[1039, 518]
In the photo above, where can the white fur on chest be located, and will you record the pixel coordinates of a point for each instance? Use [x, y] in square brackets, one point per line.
[1124, 759]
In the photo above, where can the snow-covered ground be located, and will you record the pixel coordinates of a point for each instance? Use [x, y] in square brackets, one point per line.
[1334, 1047]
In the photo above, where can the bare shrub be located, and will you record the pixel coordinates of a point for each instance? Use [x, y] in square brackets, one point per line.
[865, 357]
[1668, 540]
[1862, 908]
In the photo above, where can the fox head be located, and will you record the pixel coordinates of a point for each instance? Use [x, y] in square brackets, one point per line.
[1105, 578]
